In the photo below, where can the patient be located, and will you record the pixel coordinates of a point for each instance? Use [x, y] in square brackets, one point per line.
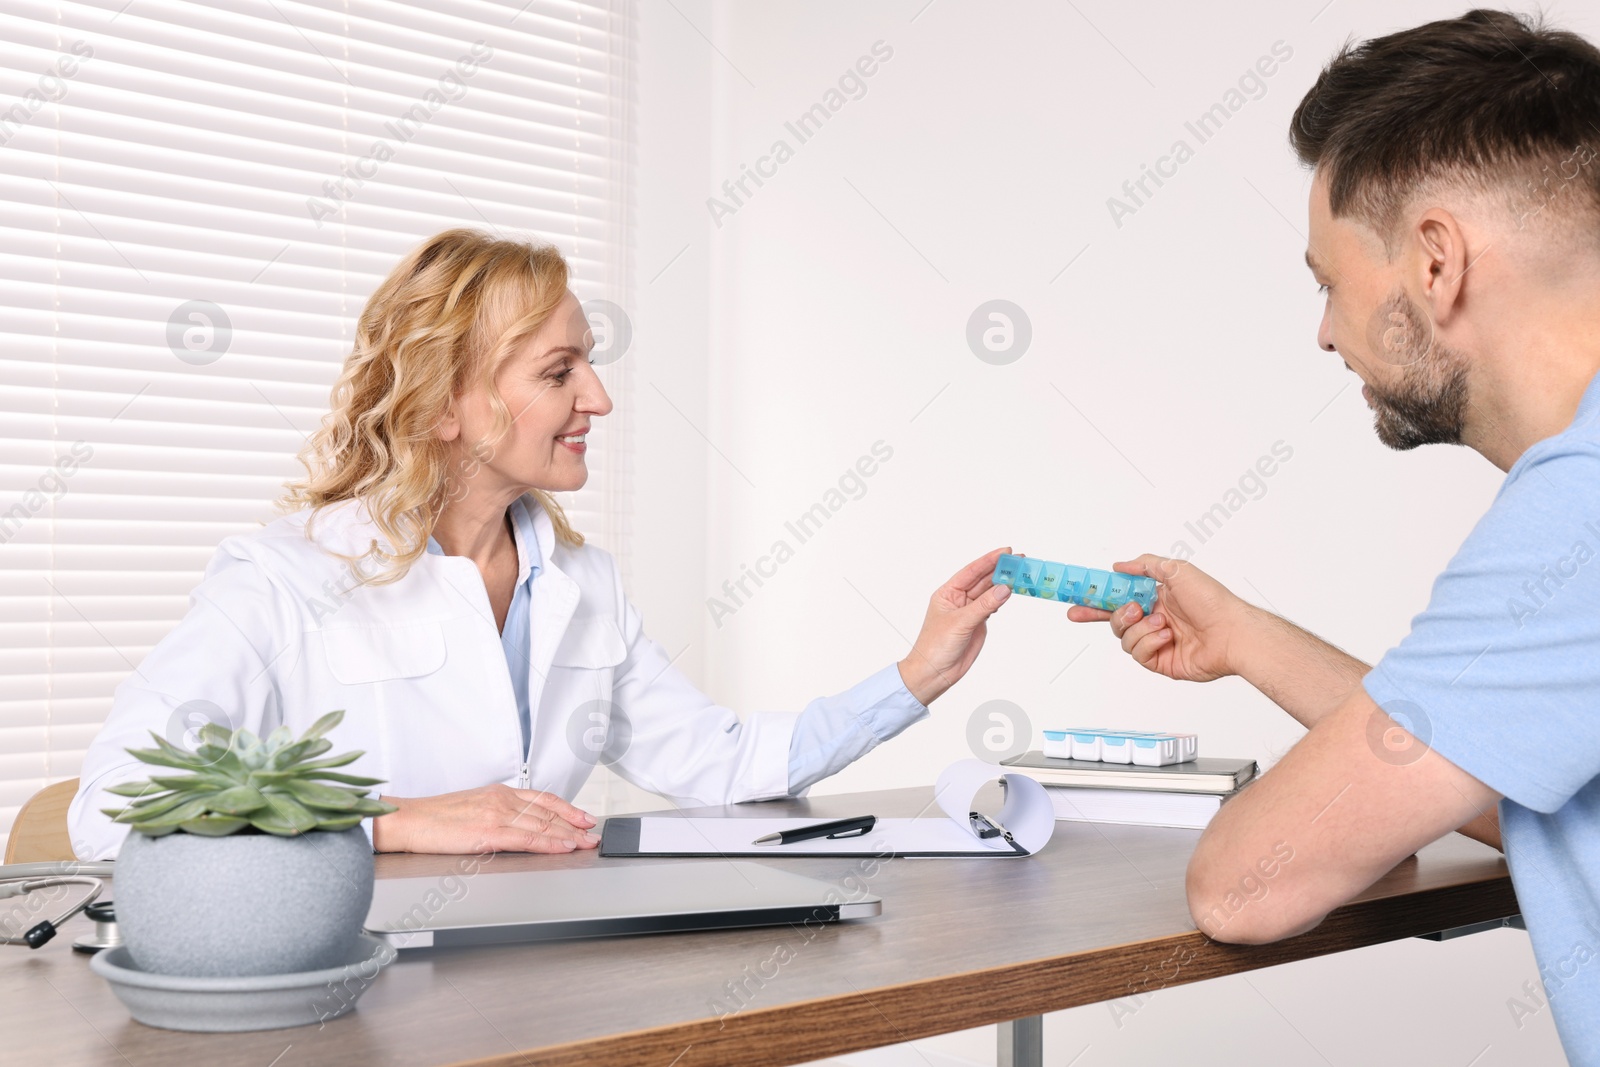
[1455, 227]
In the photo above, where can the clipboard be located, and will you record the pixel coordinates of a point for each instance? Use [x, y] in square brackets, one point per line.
[1026, 821]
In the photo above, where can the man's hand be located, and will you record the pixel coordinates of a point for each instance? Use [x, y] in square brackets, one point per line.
[954, 628]
[1193, 629]
[1200, 631]
[491, 817]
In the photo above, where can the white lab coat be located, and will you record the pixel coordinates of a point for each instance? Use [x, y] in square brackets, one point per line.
[278, 632]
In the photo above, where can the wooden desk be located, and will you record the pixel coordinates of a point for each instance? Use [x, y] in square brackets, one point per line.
[1100, 914]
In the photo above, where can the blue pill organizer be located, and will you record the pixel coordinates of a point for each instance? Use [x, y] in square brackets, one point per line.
[1106, 590]
[1137, 747]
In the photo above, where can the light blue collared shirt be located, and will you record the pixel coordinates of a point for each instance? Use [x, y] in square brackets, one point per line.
[515, 638]
[829, 735]
[833, 732]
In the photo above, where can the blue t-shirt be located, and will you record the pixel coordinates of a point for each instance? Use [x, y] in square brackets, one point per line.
[1501, 676]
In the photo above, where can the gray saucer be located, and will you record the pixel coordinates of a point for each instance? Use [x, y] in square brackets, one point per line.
[261, 1002]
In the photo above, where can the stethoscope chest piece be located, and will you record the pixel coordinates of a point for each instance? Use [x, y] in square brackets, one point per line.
[105, 933]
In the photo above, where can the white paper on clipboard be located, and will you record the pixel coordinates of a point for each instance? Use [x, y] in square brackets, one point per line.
[1026, 815]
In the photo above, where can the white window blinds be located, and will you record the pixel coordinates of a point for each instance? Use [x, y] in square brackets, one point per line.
[195, 202]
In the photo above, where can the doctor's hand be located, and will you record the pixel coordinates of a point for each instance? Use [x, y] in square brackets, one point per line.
[491, 817]
[1196, 625]
[953, 630]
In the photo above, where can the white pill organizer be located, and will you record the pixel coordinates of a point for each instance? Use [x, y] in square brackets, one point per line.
[1137, 747]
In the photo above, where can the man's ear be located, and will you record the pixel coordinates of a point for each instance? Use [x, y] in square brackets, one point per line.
[1442, 262]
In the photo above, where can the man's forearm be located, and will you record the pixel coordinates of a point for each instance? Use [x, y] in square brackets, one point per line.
[1308, 678]
[1297, 670]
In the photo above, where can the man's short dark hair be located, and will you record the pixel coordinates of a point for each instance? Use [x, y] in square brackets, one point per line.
[1491, 98]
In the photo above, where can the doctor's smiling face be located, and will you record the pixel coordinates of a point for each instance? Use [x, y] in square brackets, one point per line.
[551, 396]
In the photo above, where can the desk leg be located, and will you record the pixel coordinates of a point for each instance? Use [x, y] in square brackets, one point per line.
[1022, 1042]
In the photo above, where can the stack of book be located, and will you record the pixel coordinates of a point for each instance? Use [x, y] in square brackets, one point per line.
[1179, 794]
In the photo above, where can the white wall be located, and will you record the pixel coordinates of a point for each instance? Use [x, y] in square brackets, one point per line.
[830, 308]
[671, 338]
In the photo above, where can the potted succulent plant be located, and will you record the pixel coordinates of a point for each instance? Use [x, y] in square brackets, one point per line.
[253, 862]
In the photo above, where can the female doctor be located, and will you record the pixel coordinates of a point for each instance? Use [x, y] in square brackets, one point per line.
[425, 582]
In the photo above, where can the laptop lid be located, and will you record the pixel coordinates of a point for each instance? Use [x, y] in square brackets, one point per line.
[453, 910]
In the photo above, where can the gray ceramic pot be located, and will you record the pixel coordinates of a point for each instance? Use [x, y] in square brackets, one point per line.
[245, 904]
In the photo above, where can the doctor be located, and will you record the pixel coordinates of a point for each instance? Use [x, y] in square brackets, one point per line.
[425, 582]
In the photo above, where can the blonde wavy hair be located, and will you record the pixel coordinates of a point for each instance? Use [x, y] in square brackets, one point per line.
[448, 316]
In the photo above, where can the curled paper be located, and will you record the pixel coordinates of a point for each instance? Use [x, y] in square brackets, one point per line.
[1027, 814]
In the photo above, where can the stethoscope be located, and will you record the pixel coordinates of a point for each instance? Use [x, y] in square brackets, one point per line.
[20, 879]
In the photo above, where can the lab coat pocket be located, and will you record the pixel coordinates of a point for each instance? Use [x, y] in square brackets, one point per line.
[591, 643]
[583, 666]
[358, 655]
[578, 697]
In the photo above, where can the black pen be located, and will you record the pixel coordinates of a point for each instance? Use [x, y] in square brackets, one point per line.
[839, 828]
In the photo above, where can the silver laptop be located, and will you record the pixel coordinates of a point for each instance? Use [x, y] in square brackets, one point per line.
[453, 910]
